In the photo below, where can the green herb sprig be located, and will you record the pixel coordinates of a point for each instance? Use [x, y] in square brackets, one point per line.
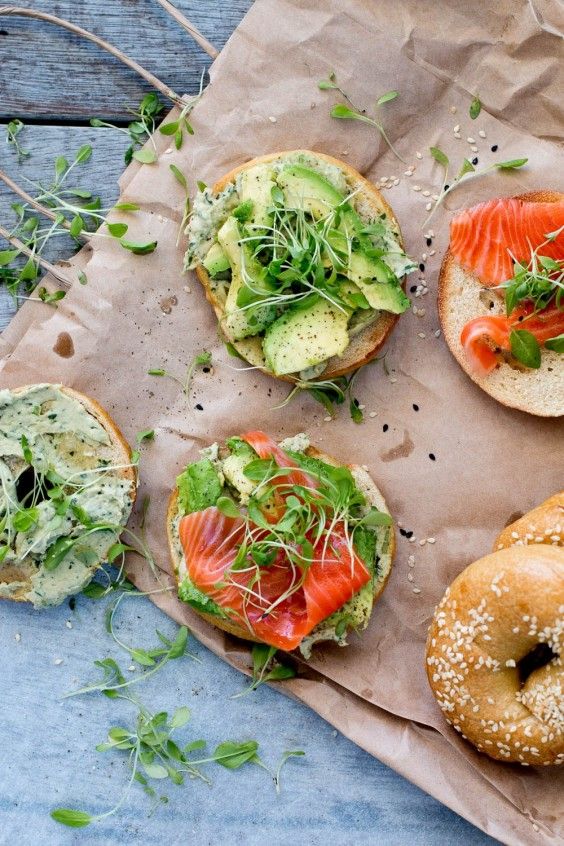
[154, 756]
[202, 359]
[178, 127]
[466, 172]
[475, 108]
[351, 112]
[139, 130]
[265, 668]
[13, 129]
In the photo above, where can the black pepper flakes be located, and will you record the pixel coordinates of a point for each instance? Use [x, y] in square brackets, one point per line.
[199, 406]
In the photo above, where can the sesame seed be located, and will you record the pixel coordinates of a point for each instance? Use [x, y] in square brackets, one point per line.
[453, 110]
[17, 637]
[416, 187]
[456, 128]
[423, 541]
[428, 206]
[68, 624]
[418, 155]
[372, 414]
[457, 135]
[482, 133]
[416, 590]
[327, 419]
[421, 335]
[58, 662]
[471, 140]
[437, 333]
[431, 540]
[272, 119]
[426, 193]
[474, 148]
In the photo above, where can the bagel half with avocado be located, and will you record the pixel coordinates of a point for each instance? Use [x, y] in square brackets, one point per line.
[279, 544]
[67, 486]
[501, 303]
[303, 262]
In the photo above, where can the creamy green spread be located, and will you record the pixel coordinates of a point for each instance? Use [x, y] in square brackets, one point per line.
[58, 480]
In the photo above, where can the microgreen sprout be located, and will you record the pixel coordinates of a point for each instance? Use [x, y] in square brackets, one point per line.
[266, 668]
[351, 112]
[466, 172]
[475, 108]
[536, 285]
[13, 129]
[154, 756]
[140, 129]
[202, 359]
[182, 124]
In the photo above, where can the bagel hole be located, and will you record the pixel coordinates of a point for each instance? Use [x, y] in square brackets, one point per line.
[538, 657]
[29, 483]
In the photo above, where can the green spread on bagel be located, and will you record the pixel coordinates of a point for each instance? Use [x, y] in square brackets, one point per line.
[63, 494]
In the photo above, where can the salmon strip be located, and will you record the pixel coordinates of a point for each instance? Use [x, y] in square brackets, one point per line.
[266, 447]
[210, 541]
[484, 238]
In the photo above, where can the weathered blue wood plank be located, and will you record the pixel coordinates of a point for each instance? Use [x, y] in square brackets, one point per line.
[336, 795]
[46, 72]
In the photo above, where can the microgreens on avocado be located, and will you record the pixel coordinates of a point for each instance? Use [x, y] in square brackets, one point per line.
[466, 172]
[351, 112]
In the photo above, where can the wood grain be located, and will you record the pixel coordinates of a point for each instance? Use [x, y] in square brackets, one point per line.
[47, 73]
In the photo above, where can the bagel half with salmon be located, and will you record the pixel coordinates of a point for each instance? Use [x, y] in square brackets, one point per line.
[303, 262]
[501, 299]
[67, 487]
[279, 543]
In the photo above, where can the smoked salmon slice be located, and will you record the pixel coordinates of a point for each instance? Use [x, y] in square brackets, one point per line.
[278, 603]
[487, 238]
[266, 447]
[479, 334]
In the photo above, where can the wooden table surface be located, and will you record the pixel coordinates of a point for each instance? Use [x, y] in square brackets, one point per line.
[55, 82]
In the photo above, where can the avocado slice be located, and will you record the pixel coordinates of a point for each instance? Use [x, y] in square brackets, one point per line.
[216, 261]
[377, 283]
[241, 323]
[301, 338]
[256, 184]
[306, 189]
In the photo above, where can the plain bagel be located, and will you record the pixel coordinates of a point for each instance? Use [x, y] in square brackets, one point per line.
[494, 655]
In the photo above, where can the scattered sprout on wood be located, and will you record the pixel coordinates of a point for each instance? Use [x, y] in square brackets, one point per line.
[466, 172]
[140, 129]
[13, 129]
[178, 127]
[352, 112]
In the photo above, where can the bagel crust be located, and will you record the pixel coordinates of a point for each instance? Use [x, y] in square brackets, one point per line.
[495, 613]
[363, 347]
[362, 479]
[544, 524]
[539, 392]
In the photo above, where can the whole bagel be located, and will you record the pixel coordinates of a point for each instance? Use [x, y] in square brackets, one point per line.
[362, 348]
[498, 616]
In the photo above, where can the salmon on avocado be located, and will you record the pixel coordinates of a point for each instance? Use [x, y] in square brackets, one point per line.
[278, 543]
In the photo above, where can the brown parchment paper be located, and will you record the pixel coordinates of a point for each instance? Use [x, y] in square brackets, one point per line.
[137, 313]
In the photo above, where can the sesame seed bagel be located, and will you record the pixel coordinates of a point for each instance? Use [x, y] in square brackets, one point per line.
[362, 347]
[544, 524]
[373, 497]
[461, 299]
[70, 435]
[494, 655]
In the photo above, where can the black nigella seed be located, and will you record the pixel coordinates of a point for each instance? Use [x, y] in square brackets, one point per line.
[355, 401]
[409, 534]
[415, 407]
[432, 456]
[447, 187]
[494, 148]
[429, 241]
[199, 406]
[422, 267]
[403, 533]
[475, 160]
[72, 603]
[413, 289]
[385, 427]
[206, 369]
